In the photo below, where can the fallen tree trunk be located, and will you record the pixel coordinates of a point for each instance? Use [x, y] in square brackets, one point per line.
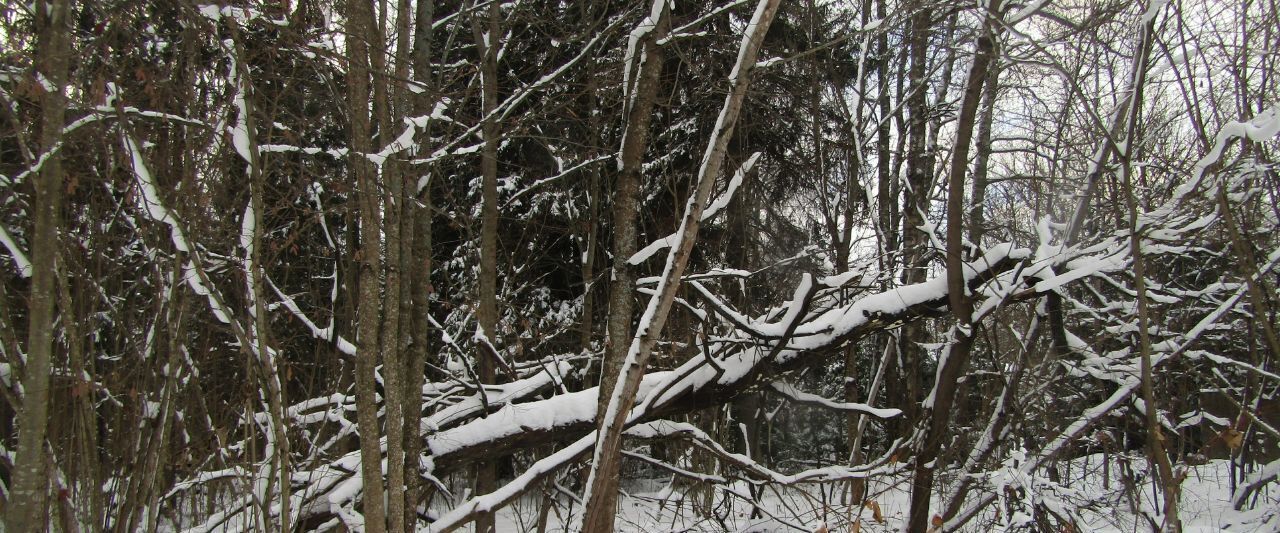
[725, 370]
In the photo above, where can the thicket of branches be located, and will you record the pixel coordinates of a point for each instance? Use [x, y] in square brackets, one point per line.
[315, 264]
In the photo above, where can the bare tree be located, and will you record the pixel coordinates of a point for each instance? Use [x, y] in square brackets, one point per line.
[603, 482]
[952, 365]
[486, 41]
[360, 28]
[26, 509]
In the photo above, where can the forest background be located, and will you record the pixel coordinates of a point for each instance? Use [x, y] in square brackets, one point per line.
[370, 264]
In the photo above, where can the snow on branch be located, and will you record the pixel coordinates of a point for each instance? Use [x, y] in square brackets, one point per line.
[798, 396]
[20, 260]
[512, 422]
[716, 205]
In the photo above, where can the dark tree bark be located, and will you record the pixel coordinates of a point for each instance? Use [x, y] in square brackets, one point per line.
[487, 297]
[417, 224]
[398, 251]
[603, 482]
[26, 509]
[360, 28]
[953, 364]
[982, 159]
[639, 95]
[919, 181]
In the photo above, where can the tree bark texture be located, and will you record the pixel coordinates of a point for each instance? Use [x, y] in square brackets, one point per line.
[956, 358]
[487, 298]
[26, 510]
[603, 482]
[360, 28]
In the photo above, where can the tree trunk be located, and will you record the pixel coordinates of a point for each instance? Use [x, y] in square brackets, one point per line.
[915, 204]
[956, 358]
[418, 224]
[26, 510]
[978, 198]
[389, 100]
[640, 91]
[255, 283]
[360, 29]
[1155, 439]
[487, 298]
[603, 482]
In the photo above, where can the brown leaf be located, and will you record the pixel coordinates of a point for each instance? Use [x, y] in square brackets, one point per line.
[28, 88]
[1233, 438]
[856, 527]
[821, 529]
[875, 511]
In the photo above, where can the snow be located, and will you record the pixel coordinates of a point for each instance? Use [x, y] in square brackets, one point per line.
[794, 307]
[248, 225]
[653, 505]
[150, 198]
[629, 60]
[155, 209]
[212, 12]
[712, 209]
[788, 390]
[1262, 127]
[839, 321]
[1153, 10]
[20, 261]
[769, 62]
[744, 50]
[1083, 268]
[542, 415]
[240, 132]
[1026, 12]
[547, 376]
[326, 333]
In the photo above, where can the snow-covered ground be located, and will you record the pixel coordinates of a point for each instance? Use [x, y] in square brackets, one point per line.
[653, 505]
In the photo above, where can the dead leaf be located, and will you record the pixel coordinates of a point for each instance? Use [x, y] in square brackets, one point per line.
[937, 524]
[821, 529]
[875, 511]
[856, 527]
[1232, 438]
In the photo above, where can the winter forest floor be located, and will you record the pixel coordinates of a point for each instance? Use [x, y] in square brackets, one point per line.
[653, 506]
